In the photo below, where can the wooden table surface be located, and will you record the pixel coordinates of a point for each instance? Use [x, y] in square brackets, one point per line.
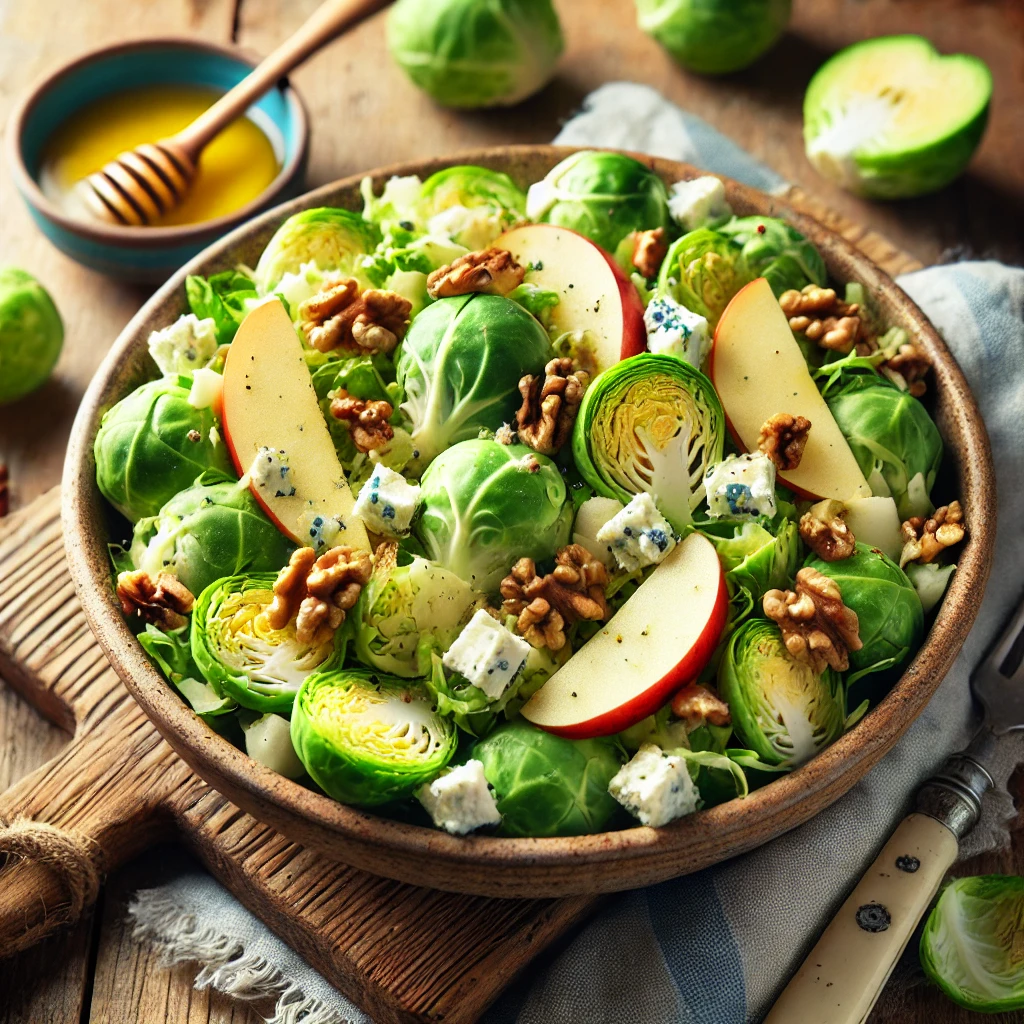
[365, 114]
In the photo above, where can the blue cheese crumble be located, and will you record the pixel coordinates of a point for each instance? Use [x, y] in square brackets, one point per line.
[270, 474]
[459, 800]
[741, 486]
[639, 535]
[387, 502]
[655, 787]
[673, 330]
[698, 202]
[185, 346]
[323, 531]
[487, 654]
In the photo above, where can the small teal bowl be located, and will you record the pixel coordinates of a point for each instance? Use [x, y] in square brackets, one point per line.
[147, 254]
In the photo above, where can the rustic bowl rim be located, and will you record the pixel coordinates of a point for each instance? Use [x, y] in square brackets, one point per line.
[825, 777]
[150, 237]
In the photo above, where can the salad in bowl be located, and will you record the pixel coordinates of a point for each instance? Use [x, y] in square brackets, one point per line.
[530, 513]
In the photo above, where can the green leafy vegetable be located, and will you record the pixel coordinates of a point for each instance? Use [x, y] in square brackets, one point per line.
[173, 655]
[776, 251]
[223, 298]
[31, 334]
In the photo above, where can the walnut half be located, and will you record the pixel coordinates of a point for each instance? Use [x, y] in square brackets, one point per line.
[824, 531]
[164, 601]
[820, 315]
[817, 628]
[783, 439]
[649, 251]
[367, 420]
[925, 539]
[550, 403]
[494, 271]
[340, 316]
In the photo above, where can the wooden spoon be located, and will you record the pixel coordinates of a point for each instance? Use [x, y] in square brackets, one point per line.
[147, 182]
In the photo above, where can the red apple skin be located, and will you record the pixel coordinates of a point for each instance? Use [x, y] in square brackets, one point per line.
[658, 694]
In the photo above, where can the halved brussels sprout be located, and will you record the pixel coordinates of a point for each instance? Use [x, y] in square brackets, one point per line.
[650, 423]
[332, 238]
[776, 251]
[241, 655]
[546, 785]
[153, 444]
[970, 946]
[471, 205]
[460, 365]
[367, 738]
[602, 195]
[703, 270]
[486, 504]
[780, 708]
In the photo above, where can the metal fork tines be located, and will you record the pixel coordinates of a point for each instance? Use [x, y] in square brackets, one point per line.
[998, 681]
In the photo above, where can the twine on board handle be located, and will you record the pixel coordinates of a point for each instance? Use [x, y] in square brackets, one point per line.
[67, 855]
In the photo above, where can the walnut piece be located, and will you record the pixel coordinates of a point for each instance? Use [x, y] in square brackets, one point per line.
[783, 439]
[925, 539]
[494, 271]
[164, 601]
[821, 316]
[817, 628]
[317, 592]
[340, 316]
[696, 704]
[546, 605]
[907, 368]
[649, 250]
[550, 404]
[824, 531]
[367, 420]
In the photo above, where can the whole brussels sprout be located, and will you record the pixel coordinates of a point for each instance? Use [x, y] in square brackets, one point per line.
[242, 656]
[367, 738]
[332, 238]
[650, 423]
[546, 785]
[703, 270]
[781, 709]
[460, 367]
[211, 530]
[31, 334]
[153, 444]
[888, 609]
[468, 53]
[776, 251]
[486, 505]
[714, 37]
[602, 195]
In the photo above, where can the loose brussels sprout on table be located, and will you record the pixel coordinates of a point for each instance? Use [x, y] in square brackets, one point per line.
[515, 508]
[31, 334]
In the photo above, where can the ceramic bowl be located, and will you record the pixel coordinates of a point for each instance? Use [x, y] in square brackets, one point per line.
[530, 867]
[147, 254]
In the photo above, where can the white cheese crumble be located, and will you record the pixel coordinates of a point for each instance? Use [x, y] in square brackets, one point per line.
[270, 473]
[185, 346]
[487, 654]
[474, 227]
[698, 202]
[673, 330]
[207, 390]
[387, 502]
[459, 801]
[655, 787]
[741, 485]
[639, 535]
[296, 287]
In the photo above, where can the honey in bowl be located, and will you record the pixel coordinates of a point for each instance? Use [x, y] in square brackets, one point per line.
[234, 169]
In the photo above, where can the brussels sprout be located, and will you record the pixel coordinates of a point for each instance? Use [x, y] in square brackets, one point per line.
[153, 444]
[241, 655]
[970, 946]
[895, 442]
[211, 530]
[334, 239]
[538, 301]
[471, 205]
[464, 53]
[224, 298]
[703, 270]
[776, 251]
[546, 785]
[713, 37]
[889, 117]
[650, 423]
[367, 738]
[408, 612]
[781, 709]
[486, 504]
[460, 367]
[31, 334]
[888, 609]
[602, 195]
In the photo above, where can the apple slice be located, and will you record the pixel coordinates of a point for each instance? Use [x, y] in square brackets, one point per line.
[758, 370]
[658, 641]
[269, 402]
[595, 294]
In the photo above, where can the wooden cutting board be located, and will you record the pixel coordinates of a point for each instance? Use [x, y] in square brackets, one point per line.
[402, 953]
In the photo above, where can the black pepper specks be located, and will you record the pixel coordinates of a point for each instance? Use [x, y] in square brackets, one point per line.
[908, 864]
[873, 917]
